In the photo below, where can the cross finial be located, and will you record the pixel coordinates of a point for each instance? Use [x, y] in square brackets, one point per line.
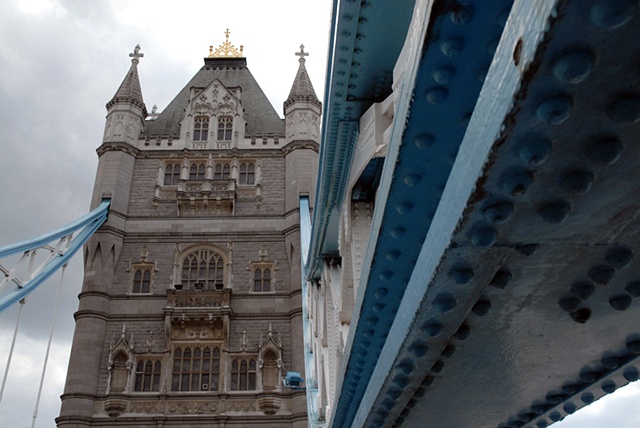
[302, 54]
[226, 34]
[136, 55]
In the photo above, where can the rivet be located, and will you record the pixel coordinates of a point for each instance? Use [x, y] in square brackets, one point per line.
[452, 46]
[461, 14]
[406, 366]
[382, 414]
[525, 416]
[569, 407]
[633, 288]
[404, 208]
[581, 316]
[412, 403]
[583, 290]
[608, 386]
[437, 95]
[555, 212]
[401, 380]
[387, 404]
[610, 362]
[631, 374]
[412, 179]
[574, 66]
[619, 257]
[527, 249]
[378, 307]
[437, 366]
[570, 388]
[604, 152]
[555, 110]
[463, 332]
[419, 348]
[589, 376]
[372, 321]
[492, 45]
[424, 141]
[612, 14]
[364, 344]
[620, 302]
[432, 327]
[501, 279]
[394, 393]
[633, 346]
[381, 293]
[369, 333]
[426, 382]
[481, 308]
[398, 232]
[386, 275]
[553, 398]
[601, 274]
[587, 398]
[461, 274]
[481, 74]
[555, 416]
[625, 110]
[516, 182]
[393, 255]
[538, 409]
[569, 303]
[483, 236]
[448, 351]
[576, 181]
[498, 212]
[444, 302]
[443, 75]
[535, 151]
[542, 423]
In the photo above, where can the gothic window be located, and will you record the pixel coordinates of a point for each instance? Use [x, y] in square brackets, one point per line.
[243, 374]
[147, 375]
[171, 174]
[142, 280]
[262, 280]
[225, 128]
[203, 269]
[197, 171]
[247, 173]
[222, 171]
[201, 128]
[196, 368]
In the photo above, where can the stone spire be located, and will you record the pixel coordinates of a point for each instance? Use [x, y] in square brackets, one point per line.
[302, 89]
[129, 91]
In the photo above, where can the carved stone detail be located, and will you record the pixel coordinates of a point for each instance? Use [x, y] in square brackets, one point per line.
[269, 403]
[146, 407]
[193, 407]
[115, 406]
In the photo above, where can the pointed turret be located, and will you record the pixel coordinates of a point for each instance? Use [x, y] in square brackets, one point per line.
[126, 111]
[302, 108]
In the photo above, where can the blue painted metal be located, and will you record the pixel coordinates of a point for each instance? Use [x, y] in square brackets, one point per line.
[293, 380]
[311, 388]
[444, 87]
[86, 226]
[359, 73]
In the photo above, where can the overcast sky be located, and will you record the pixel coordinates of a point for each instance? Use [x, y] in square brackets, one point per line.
[61, 61]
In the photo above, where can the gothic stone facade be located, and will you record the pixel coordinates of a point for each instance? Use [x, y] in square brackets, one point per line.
[190, 312]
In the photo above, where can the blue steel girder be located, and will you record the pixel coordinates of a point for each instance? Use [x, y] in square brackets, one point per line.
[359, 73]
[521, 306]
[452, 58]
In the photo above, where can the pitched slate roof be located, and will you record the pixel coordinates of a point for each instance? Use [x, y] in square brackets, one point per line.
[129, 90]
[260, 115]
[302, 89]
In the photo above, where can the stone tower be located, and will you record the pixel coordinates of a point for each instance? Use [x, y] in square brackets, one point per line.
[190, 311]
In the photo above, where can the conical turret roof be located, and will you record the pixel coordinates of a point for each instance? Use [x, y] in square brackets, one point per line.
[129, 91]
[302, 88]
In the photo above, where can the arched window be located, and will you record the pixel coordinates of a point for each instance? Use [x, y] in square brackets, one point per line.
[171, 174]
[222, 171]
[196, 368]
[203, 269]
[225, 128]
[197, 171]
[147, 375]
[247, 174]
[201, 128]
[142, 280]
[243, 374]
[262, 280]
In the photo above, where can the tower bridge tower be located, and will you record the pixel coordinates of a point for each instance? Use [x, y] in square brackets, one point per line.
[190, 311]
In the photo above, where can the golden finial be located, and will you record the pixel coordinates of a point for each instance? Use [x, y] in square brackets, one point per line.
[226, 49]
